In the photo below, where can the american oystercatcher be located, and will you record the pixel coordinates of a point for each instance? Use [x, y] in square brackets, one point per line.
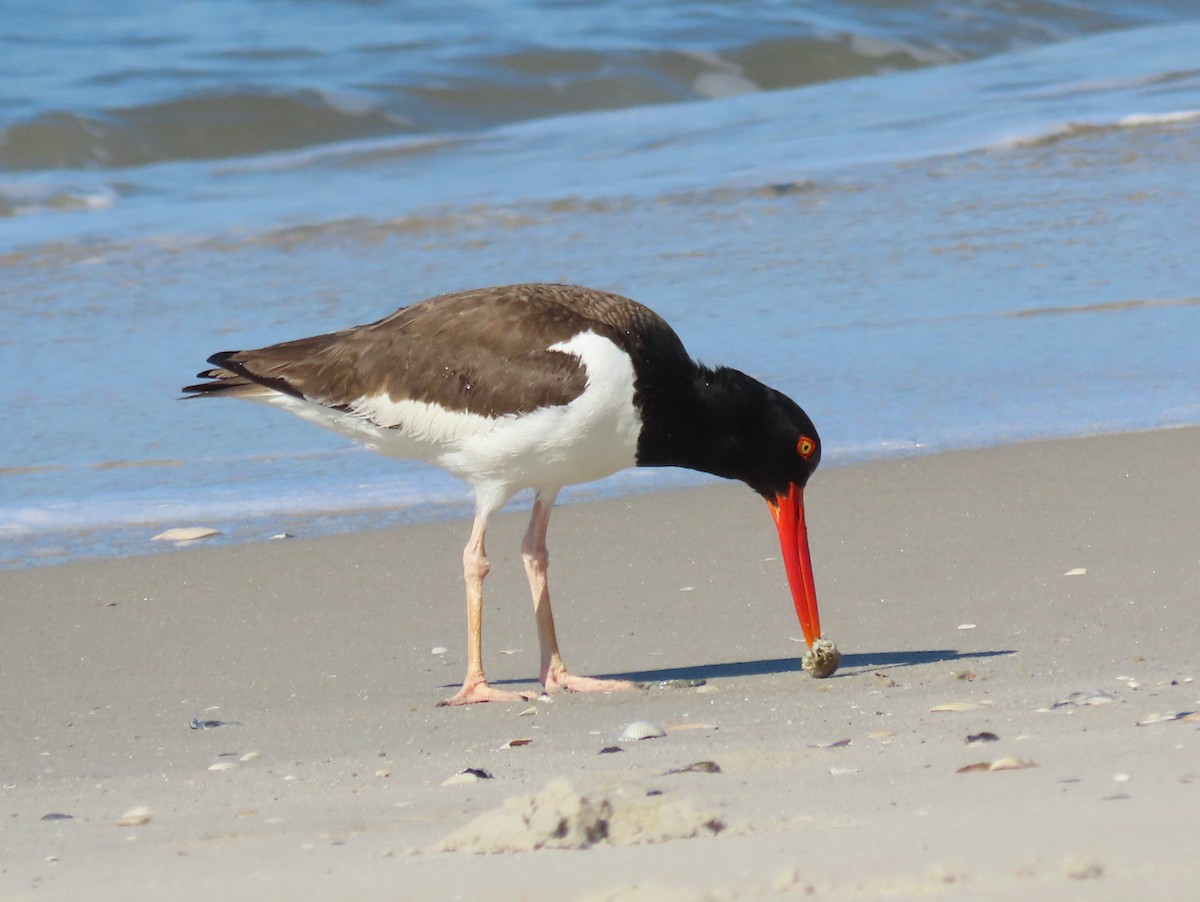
[539, 386]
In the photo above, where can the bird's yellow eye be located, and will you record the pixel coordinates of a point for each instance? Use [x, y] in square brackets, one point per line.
[805, 447]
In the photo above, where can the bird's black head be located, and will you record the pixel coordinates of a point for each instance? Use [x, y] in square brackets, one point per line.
[740, 429]
[779, 445]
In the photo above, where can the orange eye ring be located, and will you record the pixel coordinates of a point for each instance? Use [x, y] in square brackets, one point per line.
[805, 447]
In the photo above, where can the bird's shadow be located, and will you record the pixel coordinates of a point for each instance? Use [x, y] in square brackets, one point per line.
[878, 660]
[851, 663]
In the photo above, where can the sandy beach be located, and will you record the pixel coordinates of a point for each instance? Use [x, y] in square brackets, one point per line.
[1046, 595]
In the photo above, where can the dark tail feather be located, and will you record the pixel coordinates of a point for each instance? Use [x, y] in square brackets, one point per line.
[234, 379]
[236, 374]
[227, 379]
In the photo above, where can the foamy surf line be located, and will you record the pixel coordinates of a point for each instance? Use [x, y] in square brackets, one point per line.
[1075, 129]
[119, 527]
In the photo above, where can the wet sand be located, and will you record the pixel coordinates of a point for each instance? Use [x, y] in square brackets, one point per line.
[949, 580]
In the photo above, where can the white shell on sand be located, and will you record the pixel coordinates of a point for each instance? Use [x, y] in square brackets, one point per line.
[1006, 763]
[641, 729]
[222, 765]
[959, 707]
[135, 817]
[183, 535]
[1165, 717]
[1010, 763]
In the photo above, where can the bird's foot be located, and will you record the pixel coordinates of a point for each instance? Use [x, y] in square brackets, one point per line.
[559, 680]
[475, 692]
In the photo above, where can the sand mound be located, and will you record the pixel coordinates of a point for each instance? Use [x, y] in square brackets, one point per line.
[558, 817]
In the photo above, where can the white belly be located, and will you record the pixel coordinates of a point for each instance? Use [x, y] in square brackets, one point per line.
[590, 437]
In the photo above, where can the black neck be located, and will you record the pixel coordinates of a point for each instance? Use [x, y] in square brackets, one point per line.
[708, 420]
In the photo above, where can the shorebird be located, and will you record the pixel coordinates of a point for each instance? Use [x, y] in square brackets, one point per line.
[539, 386]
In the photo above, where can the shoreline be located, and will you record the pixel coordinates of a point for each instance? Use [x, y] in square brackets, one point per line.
[946, 579]
[134, 538]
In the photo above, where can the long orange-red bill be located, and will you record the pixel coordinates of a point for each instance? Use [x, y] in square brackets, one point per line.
[788, 511]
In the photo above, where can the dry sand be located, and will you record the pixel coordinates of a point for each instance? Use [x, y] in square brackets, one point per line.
[318, 655]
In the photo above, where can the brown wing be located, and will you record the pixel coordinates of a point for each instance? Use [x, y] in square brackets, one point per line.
[483, 351]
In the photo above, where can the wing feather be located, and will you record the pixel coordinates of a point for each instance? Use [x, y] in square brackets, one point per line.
[484, 351]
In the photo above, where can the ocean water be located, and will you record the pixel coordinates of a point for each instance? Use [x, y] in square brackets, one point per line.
[935, 224]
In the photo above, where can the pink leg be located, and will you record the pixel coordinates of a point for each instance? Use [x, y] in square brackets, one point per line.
[553, 673]
[475, 686]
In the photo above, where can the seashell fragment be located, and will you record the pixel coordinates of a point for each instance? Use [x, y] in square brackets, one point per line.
[467, 775]
[839, 771]
[198, 724]
[135, 817]
[1076, 571]
[959, 707]
[185, 535]
[250, 756]
[981, 738]
[383, 772]
[1086, 697]
[641, 729]
[1010, 763]
[1085, 870]
[528, 712]
[696, 767]
[222, 765]
[836, 744]
[822, 660]
[1166, 717]
[1005, 763]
